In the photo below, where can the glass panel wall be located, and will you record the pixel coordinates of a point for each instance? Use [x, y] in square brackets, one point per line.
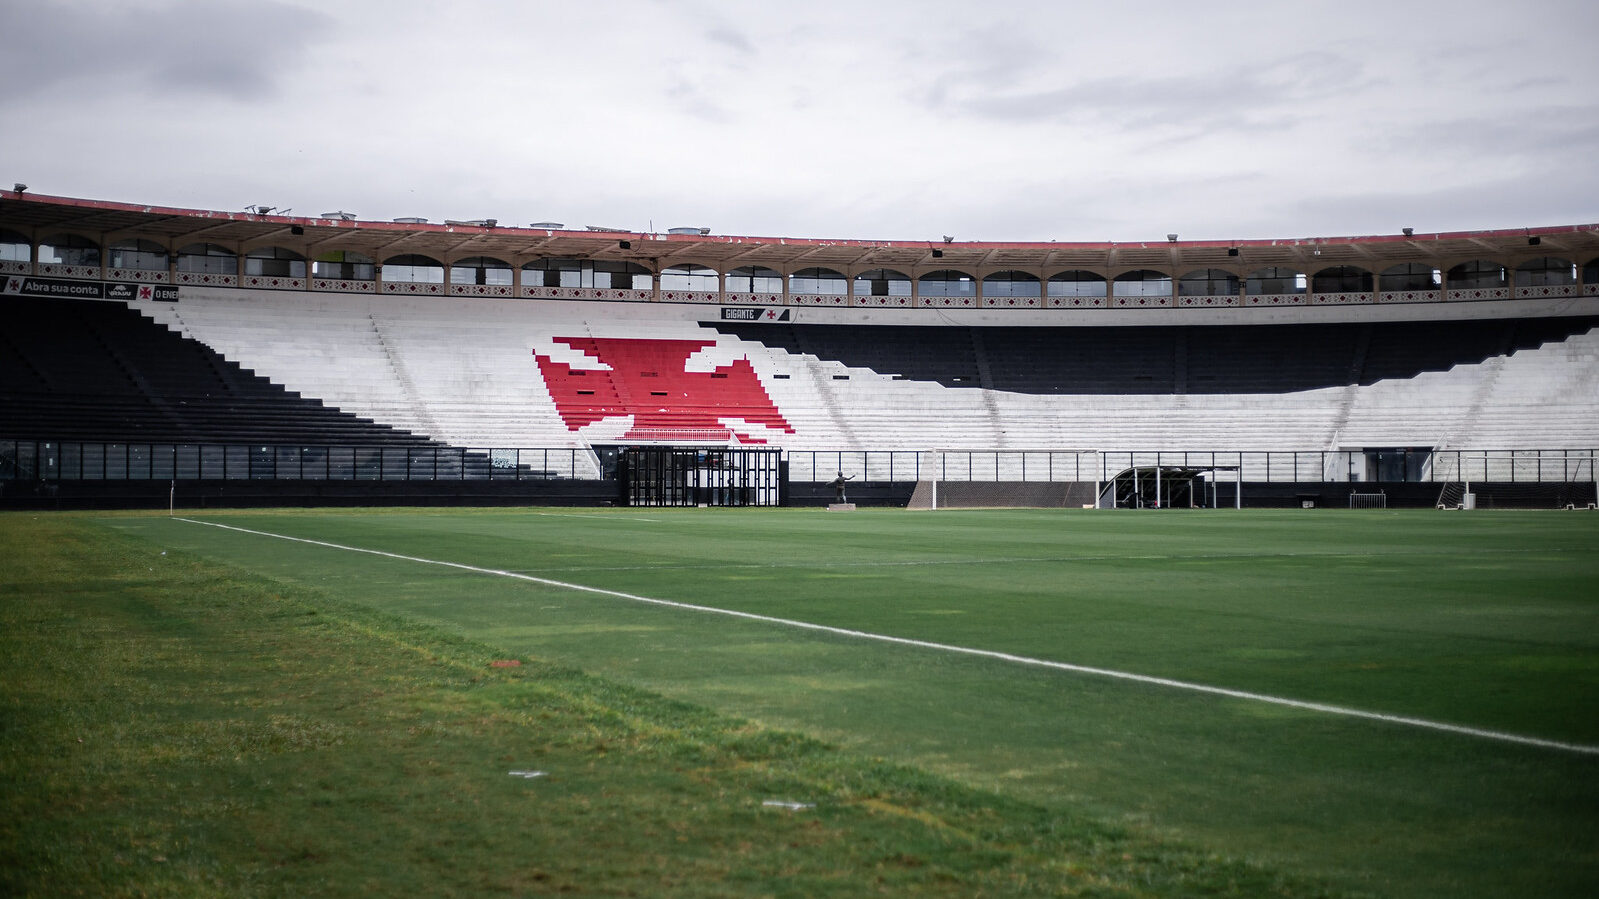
[484, 270]
[1077, 284]
[274, 262]
[1410, 276]
[145, 255]
[345, 265]
[15, 247]
[559, 272]
[1143, 283]
[1546, 271]
[1208, 282]
[1012, 284]
[754, 279]
[689, 276]
[882, 282]
[69, 249]
[1342, 279]
[1478, 274]
[823, 281]
[207, 259]
[1274, 280]
[946, 283]
[413, 269]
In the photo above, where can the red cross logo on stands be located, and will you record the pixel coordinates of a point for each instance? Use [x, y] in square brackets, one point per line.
[145, 292]
[648, 380]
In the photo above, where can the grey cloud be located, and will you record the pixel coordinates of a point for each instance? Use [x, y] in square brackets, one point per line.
[1261, 95]
[689, 96]
[1530, 199]
[731, 39]
[1548, 132]
[233, 51]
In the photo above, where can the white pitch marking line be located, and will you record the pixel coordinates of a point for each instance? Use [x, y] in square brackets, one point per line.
[1325, 708]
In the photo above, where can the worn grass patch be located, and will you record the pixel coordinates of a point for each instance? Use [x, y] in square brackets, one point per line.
[174, 726]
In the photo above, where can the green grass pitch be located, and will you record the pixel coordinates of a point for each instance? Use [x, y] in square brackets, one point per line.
[1487, 621]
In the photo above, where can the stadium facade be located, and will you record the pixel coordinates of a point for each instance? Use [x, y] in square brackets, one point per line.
[252, 355]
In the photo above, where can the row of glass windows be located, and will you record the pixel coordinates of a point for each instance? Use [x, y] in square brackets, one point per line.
[554, 272]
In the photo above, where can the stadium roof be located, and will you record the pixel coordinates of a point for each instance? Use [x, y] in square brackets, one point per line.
[39, 216]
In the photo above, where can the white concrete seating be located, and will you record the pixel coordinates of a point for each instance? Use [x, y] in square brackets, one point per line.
[462, 370]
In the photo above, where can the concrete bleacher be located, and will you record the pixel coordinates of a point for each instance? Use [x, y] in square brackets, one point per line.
[466, 372]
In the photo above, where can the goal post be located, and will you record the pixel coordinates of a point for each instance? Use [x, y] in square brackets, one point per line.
[1008, 478]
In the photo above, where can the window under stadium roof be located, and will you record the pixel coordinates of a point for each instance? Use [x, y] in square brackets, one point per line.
[38, 216]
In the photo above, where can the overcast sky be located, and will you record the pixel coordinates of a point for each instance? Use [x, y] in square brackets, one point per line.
[996, 120]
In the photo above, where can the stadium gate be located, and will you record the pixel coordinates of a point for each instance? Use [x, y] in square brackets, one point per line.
[700, 476]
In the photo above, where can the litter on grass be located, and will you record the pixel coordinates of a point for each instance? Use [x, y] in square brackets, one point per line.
[529, 775]
[791, 806]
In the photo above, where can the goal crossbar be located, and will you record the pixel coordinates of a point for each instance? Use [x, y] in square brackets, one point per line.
[1011, 477]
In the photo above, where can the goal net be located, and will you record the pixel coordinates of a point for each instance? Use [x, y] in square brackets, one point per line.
[1017, 479]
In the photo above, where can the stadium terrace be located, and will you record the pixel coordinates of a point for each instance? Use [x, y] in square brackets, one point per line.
[286, 358]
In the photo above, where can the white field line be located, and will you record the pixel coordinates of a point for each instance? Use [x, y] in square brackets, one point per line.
[961, 650]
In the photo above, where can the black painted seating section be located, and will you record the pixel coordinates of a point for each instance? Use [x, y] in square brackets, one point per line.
[1196, 359]
[86, 370]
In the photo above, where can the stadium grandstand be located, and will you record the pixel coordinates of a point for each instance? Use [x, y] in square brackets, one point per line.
[250, 357]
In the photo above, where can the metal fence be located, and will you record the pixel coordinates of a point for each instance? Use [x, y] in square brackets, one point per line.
[86, 461]
[83, 461]
[1273, 466]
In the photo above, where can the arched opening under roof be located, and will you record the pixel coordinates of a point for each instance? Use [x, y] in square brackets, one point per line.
[822, 281]
[412, 268]
[137, 253]
[1275, 281]
[69, 249]
[15, 246]
[1546, 271]
[207, 259]
[482, 270]
[1342, 279]
[754, 279]
[1012, 284]
[345, 265]
[1410, 276]
[1208, 282]
[553, 271]
[274, 262]
[1478, 274]
[688, 276]
[1590, 273]
[619, 276]
[882, 282]
[946, 283]
[1143, 283]
[1077, 283]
